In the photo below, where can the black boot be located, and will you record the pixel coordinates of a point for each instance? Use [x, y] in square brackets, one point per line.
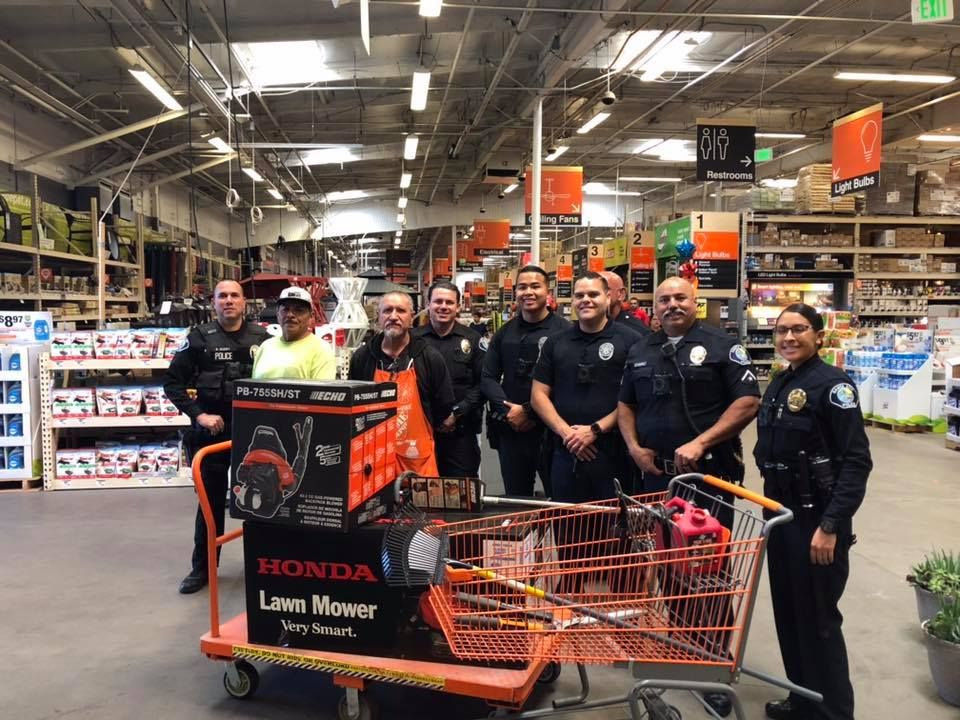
[196, 580]
[719, 703]
[788, 709]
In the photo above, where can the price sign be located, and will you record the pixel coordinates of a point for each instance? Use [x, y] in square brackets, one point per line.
[25, 327]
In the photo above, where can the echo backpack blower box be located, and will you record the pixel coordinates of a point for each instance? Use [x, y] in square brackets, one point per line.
[313, 454]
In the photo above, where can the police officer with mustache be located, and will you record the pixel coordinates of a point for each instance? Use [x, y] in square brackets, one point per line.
[213, 356]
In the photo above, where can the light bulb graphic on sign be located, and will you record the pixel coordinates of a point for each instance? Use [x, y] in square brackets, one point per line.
[869, 135]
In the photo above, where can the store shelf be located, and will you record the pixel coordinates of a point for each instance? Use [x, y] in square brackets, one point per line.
[23, 249]
[17, 474]
[802, 250]
[952, 438]
[763, 362]
[58, 295]
[14, 441]
[947, 410]
[887, 371]
[141, 421]
[948, 298]
[807, 271]
[13, 408]
[19, 296]
[852, 219]
[908, 276]
[765, 346]
[104, 364]
[119, 300]
[181, 479]
[69, 257]
[77, 318]
[119, 264]
[890, 313]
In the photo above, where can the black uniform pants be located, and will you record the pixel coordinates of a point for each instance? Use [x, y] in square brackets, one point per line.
[458, 453]
[214, 470]
[808, 621]
[521, 458]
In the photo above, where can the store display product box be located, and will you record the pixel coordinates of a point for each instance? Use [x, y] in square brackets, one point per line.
[317, 454]
[324, 591]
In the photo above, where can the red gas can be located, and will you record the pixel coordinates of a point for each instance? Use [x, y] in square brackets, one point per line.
[698, 535]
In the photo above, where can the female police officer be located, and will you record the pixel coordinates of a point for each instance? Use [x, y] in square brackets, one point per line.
[814, 457]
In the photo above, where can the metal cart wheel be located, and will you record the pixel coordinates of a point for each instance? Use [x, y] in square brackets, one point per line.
[241, 680]
[366, 709]
[550, 673]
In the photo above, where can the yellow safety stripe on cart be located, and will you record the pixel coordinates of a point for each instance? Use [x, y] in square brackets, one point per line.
[307, 662]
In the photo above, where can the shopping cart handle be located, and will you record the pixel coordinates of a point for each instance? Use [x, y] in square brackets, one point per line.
[741, 492]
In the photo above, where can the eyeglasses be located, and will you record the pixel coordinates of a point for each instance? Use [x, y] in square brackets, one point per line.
[795, 329]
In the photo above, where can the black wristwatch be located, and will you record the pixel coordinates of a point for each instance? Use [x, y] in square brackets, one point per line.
[597, 430]
[829, 525]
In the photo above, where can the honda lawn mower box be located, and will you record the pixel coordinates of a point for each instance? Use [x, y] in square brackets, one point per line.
[326, 591]
[313, 454]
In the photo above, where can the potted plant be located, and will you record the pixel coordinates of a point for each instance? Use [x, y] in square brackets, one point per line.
[942, 634]
[936, 580]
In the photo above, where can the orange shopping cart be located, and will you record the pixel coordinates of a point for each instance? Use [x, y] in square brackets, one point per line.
[500, 686]
[652, 581]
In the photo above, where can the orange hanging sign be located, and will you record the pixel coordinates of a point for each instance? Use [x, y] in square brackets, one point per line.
[561, 195]
[857, 140]
[491, 237]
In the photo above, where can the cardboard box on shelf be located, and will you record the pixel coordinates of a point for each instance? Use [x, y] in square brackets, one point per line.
[313, 454]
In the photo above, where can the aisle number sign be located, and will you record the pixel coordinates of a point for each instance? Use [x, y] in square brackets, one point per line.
[716, 238]
[642, 262]
[565, 276]
[595, 258]
[857, 141]
[931, 11]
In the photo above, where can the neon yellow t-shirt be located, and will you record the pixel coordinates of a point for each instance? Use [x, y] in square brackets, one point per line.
[308, 358]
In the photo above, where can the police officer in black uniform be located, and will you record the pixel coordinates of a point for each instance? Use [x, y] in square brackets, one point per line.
[813, 453]
[575, 388]
[457, 448]
[211, 358]
[618, 312]
[513, 428]
[688, 391]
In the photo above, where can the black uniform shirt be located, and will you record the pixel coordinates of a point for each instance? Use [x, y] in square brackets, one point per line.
[511, 357]
[827, 420]
[716, 371]
[210, 359]
[635, 324]
[461, 351]
[584, 370]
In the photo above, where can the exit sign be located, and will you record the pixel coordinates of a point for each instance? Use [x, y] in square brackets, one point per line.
[931, 11]
[763, 155]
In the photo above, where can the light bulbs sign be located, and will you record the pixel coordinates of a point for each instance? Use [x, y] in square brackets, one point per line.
[857, 141]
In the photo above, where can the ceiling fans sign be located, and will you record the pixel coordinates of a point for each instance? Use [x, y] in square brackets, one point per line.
[857, 142]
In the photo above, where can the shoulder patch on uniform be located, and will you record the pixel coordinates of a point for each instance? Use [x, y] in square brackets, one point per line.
[739, 355]
[483, 344]
[748, 377]
[605, 351]
[843, 396]
[184, 344]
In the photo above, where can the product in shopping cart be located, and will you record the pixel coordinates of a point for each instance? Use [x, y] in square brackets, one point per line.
[696, 531]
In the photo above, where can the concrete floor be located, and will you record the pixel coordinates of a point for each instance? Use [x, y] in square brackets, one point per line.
[93, 626]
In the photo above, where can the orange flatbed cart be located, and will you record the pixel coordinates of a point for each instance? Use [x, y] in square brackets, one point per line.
[500, 687]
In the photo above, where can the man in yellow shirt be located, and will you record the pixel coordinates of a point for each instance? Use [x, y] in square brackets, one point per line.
[298, 354]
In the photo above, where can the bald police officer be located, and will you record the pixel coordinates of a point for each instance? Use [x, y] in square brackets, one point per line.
[212, 357]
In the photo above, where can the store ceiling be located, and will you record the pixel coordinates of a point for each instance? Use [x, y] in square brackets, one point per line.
[71, 60]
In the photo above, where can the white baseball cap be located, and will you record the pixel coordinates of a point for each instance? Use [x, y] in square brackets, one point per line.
[295, 293]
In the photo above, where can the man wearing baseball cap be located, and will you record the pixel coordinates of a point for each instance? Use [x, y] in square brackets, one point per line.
[298, 353]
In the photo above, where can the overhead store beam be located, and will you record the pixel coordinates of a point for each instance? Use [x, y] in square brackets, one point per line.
[144, 160]
[102, 138]
[196, 169]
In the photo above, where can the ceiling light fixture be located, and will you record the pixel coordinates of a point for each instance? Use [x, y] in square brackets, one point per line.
[253, 174]
[643, 178]
[939, 138]
[780, 135]
[418, 94]
[557, 153]
[510, 188]
[669, 53]
[410, 147]
[405, 180]
[893, 77]
[401, 218]
[598, 188]
[430, 8]
[636, 43]
[274, 193]
[592, 123]
[401, 202]
[344, 195]
[399, 233]
[220, 144]
[157, 90]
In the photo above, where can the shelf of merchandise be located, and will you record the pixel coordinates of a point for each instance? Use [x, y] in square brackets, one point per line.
[27, 408]
[854, 219]
[945, 298]
[50, 425]
[137, 480]
[891, 313]
[802, 250]
[951, 371]
[47, 299]
[907, 276]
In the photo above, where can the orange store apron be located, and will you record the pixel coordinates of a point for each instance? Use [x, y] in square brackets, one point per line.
[414, 444]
